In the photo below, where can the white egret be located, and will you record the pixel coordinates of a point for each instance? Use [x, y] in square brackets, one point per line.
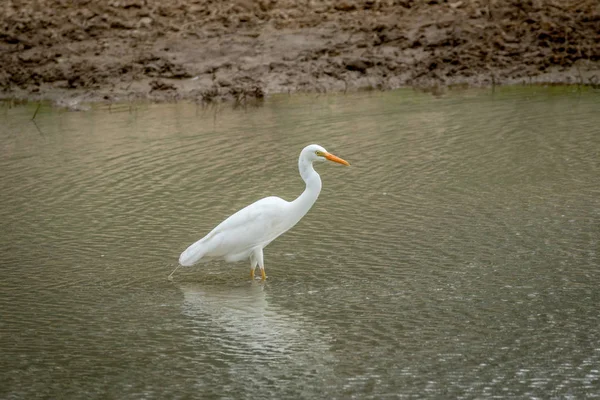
[246, 233]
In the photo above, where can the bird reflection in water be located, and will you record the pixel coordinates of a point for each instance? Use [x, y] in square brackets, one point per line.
[253, 337]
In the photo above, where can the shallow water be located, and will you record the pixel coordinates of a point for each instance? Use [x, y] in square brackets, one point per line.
[456, 258]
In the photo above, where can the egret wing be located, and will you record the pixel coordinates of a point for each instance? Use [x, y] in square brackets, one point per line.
[255, 225]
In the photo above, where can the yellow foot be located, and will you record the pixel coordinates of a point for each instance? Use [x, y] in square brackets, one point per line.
[262, 274]
[252, 273]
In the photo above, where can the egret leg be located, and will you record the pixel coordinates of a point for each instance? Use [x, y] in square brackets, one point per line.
[253, 263]
[258, 257]
[171, 274]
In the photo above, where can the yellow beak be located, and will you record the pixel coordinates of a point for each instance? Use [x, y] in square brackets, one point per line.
[336, 159]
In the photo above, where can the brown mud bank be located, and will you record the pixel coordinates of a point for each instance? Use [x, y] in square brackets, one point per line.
[203, 50]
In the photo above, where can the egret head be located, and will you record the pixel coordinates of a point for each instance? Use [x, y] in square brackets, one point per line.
[314, 152]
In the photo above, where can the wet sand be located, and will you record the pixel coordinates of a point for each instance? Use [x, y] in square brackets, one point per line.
[203, 50]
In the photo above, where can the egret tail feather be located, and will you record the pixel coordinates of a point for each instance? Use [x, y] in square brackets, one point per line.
[192, 254]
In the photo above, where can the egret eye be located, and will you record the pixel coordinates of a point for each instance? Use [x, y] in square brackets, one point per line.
[318, 153]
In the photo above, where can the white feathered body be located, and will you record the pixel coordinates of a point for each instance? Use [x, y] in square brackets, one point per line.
[236, 238]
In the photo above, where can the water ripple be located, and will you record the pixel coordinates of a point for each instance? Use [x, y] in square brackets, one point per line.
[455, 258]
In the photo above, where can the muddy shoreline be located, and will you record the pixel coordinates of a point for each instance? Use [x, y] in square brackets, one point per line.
[202, 50]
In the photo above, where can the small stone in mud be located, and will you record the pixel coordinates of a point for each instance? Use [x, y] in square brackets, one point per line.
[145, 22]
[345, 6]
[224, 82]
[357, 65]
[160, 85]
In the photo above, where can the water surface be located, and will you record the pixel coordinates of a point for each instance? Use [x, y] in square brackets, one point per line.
[456, 258]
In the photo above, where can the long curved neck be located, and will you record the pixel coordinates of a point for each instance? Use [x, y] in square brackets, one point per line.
[313, 187]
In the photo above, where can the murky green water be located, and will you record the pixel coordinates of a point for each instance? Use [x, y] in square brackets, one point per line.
[456, 258]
